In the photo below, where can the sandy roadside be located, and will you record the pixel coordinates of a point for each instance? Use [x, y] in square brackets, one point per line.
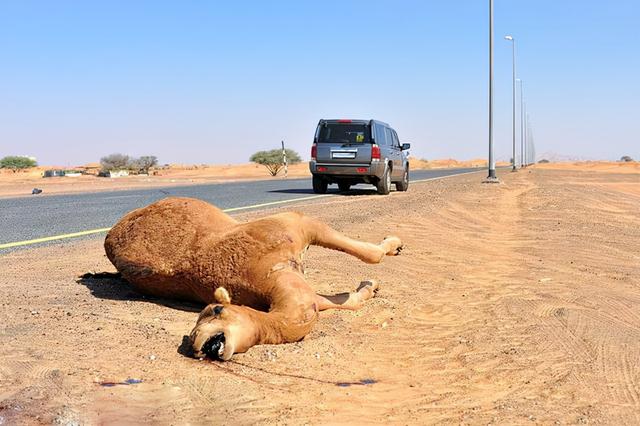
[22, 183]
[512, 303]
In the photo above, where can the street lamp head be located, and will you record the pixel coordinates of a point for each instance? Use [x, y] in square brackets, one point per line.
[508, 37]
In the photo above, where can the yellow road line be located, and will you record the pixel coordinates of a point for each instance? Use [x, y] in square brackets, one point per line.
[97, 231]
[53, 238]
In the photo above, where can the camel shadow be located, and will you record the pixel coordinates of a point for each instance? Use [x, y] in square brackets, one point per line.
[111, 286]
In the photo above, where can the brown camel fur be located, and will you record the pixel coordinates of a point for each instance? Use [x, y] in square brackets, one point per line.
[250, 274]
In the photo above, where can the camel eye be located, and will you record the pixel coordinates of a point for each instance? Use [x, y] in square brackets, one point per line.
[206, 312]
[217, 310]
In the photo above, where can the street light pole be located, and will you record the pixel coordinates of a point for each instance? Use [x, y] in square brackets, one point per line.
[513, 124]
[492, 163]
[521, 124]
[526, 133]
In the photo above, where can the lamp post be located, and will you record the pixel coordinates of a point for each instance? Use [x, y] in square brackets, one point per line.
[521, 124]
[526, 135]
[513, 124]
[492, 163]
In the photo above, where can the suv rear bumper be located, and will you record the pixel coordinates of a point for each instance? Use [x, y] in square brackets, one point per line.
[376, 168]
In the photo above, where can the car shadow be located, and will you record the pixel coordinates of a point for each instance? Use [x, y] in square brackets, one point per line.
[111, 286]
[351, 192]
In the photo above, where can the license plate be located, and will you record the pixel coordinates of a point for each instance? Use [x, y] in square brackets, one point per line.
[343, 155]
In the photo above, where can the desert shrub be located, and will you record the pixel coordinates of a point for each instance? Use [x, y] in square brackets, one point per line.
[273, 160]
[124, 162]
[144, 163]
[626, 159]
[115, 162]
[15, 163]
[543, 161]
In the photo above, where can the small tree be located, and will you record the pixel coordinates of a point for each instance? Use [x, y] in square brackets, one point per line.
[16, 163]
[626, 159]
[144, 163]
[273, 160]
[115, 162]
[543, 161]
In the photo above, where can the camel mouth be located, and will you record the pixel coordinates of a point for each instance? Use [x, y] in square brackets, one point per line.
[214, 346]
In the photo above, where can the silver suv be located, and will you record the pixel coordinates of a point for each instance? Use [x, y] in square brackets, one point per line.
[348, 152]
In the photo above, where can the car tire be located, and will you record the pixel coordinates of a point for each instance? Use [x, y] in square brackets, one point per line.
[344, 186]
[319, 185]
[403, 185]
[384, 184]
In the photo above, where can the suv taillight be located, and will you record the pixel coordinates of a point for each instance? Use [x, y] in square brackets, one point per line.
[314, 151]
[375, 152]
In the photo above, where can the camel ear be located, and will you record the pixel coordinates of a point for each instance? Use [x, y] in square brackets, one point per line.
[222, 296]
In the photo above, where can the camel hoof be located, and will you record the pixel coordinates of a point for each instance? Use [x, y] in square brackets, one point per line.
[369, 287]
[396, 246]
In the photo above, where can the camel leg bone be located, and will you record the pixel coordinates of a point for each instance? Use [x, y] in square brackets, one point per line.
[323, 235]
[351, 301]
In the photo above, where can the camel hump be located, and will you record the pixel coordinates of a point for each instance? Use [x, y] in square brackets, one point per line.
[162, 239]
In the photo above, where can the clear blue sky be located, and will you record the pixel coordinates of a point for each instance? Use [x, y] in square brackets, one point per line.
[212, 82]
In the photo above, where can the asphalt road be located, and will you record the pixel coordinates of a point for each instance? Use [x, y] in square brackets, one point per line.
[28, 218]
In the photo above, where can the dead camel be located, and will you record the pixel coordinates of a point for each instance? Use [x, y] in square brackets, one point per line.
[250, 274]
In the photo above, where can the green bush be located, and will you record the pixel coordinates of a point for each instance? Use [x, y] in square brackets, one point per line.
[115, 162]
[144, 163]
[273, 160]
[16, 163]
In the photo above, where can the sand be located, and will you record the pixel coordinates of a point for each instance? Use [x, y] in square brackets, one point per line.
[594, 166]
[22, 183]
[512, 303]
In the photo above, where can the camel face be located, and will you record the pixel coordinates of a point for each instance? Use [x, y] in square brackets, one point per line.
[249, 275]
[220, 332]
[222, 329]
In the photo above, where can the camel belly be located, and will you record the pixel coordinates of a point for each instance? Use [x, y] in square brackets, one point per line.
[183, 248]
[154, 247]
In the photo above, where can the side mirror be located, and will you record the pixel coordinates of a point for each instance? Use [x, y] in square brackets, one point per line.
[405, 146]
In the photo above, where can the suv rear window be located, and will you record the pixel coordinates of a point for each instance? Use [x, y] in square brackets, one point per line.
[344, 133]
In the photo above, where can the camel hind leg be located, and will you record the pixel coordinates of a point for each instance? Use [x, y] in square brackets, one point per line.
[320, 234]
[351, 301]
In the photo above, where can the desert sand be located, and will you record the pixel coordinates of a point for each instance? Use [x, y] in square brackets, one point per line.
[594, 166]
[23, 182]
[512, 303]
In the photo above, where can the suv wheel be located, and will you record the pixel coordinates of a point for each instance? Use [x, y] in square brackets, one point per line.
[344, 186]
[319, 185]
[384, 184]
[403, 185]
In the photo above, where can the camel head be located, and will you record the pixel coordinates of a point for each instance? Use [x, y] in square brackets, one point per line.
[223, 329]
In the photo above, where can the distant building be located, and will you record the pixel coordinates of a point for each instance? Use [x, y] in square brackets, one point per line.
[114, 173]
[53, 173]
